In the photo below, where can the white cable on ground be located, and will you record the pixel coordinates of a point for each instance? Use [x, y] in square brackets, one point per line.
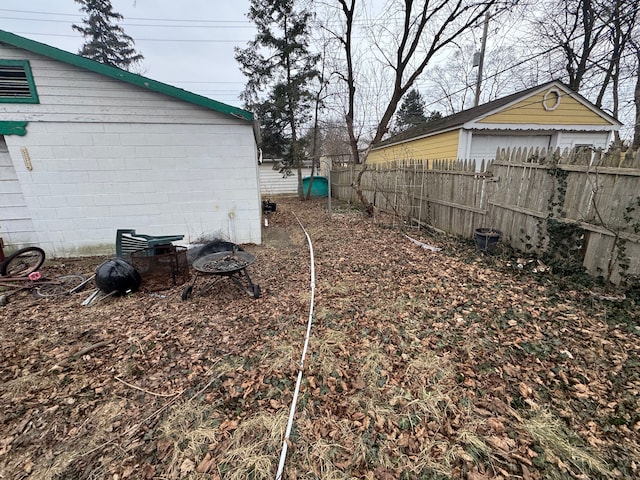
[292, 411]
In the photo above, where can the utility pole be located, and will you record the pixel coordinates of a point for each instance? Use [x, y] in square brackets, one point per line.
[483, 47]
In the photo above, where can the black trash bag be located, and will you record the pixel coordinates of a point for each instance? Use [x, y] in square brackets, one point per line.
[116, 275]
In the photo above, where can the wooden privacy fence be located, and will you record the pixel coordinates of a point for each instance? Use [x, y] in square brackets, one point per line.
[575, 208]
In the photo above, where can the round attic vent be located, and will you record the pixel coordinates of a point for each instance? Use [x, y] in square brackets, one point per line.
[551, 99]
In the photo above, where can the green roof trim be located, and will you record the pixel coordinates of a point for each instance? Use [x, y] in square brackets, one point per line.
[13, 128]
[119, 74]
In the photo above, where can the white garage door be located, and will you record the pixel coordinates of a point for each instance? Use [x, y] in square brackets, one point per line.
[483, 147]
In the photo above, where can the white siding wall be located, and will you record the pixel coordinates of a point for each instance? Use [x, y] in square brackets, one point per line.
[273, 183]
[70, 94]
[109, 155]
[595, 139]
[484, 147]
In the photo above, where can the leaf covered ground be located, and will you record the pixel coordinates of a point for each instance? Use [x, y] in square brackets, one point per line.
[421, 365]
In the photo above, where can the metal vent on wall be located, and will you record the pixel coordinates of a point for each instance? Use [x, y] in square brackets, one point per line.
[14, 82]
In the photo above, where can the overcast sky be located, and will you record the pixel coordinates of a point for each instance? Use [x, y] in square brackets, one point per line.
[186, 43]
[189, 43]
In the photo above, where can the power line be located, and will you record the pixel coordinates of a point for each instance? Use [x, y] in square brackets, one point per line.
[191, 81]
[41, 13]
[231, 24]
[382, 21]
[511, 67]
[227, 24]
[195, 40]
[130, 18]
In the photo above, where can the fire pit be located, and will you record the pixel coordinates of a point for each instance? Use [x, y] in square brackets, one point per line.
[231, 264]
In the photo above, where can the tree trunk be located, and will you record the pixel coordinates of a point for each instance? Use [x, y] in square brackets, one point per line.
[636, 99]
[314, 150]
[349, 10]
[408, 60]
[368, 206]
[300, 187]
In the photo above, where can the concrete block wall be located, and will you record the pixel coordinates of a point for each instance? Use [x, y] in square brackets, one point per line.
[147, 177]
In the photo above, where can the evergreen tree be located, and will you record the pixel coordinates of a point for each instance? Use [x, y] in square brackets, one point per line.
[280, 68]
[274, 140]
[433, 116]
[105, 41]
[411, 111]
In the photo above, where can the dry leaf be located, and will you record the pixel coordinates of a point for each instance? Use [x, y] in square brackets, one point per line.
[495, 425]
[187, 466]
[525, 390]
[405, 355]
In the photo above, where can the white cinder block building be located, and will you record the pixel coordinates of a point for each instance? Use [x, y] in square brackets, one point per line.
[86, 149]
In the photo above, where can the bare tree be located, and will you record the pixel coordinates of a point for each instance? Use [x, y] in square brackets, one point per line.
[636, 96]
[575, 27]
[622, 26]
[426, 27]
[450, 87]
[318, 102]
[335, 140]
[594, 38]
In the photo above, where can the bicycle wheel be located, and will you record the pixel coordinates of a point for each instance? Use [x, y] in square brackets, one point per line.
[59, 287]
[23, 262]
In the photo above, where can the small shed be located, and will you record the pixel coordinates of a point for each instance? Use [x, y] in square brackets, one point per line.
[548, 115]
[86, 149]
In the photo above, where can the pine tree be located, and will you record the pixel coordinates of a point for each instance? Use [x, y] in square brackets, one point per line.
[105, 41]
[433, 116]
[411, 111]
[280, 67]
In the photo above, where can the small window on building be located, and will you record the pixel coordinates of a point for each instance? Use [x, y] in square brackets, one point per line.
[16, 82]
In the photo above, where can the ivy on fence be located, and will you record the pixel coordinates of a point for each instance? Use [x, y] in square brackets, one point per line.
[582, 211]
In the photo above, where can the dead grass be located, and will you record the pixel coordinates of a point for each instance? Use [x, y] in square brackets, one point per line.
[191, 427]
[282, 357]
[253, 446]
[418, 368]
[58, 467]
[29, 383]
[562, 447]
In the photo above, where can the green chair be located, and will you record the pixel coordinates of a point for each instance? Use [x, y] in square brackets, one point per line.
[128, 241]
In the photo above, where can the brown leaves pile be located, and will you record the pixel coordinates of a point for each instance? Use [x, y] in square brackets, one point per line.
[421, 365]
